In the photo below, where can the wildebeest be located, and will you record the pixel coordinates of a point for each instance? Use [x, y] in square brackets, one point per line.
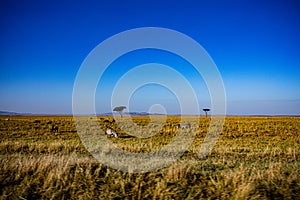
[108, 120]
[184, 126]
[54, 128]
[111, 133]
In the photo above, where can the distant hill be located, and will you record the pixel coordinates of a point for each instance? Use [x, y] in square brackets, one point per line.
[12, 113]
[102, 114]
[130, 114]
[8, 113]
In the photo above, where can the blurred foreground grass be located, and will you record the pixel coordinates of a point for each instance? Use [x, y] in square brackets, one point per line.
[255, 158]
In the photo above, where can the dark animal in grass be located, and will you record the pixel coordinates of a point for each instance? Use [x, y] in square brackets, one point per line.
[108, 121]
[54, 128]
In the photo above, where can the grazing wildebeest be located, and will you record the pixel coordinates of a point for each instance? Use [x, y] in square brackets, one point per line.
[111, 133]
[107, 120]
[184, 126]
[54, 128]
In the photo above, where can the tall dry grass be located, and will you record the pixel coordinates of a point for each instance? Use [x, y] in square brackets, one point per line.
[255, 158]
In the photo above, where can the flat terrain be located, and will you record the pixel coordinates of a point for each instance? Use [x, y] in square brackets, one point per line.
[255, 158]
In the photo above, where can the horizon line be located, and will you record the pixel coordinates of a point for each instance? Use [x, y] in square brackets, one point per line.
[98, 115]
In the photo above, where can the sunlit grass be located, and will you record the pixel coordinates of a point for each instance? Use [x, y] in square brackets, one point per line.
[255, 158]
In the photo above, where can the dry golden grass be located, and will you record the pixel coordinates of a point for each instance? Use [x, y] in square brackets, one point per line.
[255, 158]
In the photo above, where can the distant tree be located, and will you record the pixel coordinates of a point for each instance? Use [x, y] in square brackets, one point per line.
[120, 109]
[206, 110]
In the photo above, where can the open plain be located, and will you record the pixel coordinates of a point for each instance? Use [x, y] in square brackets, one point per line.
[256, 157]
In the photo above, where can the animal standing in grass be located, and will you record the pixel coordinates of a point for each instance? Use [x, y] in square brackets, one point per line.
[111, 133]
[184, 126]
[54, 128]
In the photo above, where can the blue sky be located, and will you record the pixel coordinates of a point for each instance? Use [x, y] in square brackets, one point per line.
[255, 45]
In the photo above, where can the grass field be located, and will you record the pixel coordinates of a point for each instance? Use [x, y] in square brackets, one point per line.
[255, 158]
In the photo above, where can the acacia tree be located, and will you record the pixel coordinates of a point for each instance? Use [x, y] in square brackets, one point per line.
[206, 110]
[120, 109]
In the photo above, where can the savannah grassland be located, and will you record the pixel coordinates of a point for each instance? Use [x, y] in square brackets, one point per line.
[255, 158]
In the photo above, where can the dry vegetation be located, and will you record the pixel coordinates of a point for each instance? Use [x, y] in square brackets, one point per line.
[255, 158]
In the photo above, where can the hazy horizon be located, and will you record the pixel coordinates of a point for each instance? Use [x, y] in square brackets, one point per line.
[126, 114]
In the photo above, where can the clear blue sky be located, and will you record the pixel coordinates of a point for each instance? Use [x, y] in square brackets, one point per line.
[255, 44]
